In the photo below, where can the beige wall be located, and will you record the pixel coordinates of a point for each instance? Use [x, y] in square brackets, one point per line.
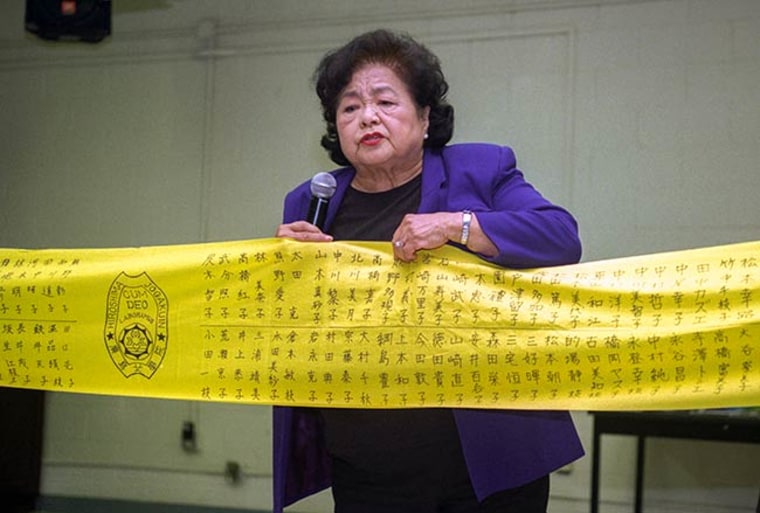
[192, 121]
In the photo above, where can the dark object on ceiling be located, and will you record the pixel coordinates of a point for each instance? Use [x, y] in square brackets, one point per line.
[69, 20]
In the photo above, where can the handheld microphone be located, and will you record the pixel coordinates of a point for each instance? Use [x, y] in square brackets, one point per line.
[323, 187]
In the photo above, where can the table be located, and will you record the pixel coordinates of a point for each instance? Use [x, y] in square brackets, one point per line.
[703, 425]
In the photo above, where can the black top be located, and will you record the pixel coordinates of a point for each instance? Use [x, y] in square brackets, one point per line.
[387, 438]
[375, 215]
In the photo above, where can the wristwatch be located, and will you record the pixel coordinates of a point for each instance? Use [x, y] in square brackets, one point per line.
[466, 221]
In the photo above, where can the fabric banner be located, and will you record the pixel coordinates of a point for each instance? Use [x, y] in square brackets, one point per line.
[277, 322]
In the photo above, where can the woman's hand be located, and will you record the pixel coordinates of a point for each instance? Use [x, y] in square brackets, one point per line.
[302, 231]
[431, 231]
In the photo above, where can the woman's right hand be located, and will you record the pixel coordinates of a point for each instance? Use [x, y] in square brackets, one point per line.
[302, 231]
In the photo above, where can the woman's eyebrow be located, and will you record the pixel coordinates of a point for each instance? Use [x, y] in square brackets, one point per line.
[352, 93]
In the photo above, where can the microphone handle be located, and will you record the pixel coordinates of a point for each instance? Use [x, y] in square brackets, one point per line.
[318, 212]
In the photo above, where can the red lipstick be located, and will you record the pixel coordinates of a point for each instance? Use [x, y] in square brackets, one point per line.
[372, 139]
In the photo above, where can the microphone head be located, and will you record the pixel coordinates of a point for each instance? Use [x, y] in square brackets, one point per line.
[323, 185]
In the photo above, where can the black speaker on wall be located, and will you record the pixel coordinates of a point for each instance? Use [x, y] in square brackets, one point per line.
[69, 20]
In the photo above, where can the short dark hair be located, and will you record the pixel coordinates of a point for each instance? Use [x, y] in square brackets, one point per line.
[415, 65]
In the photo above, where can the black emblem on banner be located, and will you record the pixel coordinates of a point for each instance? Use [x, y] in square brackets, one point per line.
[137, 325]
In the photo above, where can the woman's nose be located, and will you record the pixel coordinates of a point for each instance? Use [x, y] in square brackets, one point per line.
[369, 114]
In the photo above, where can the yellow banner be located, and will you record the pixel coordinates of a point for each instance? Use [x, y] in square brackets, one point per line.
[345, 325]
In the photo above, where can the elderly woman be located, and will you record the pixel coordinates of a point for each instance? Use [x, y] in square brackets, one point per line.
[388, 123]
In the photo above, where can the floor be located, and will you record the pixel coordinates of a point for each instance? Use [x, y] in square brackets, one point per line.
[557, 505]
[579, 506]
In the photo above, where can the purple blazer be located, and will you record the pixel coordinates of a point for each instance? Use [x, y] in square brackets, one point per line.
[503, 448]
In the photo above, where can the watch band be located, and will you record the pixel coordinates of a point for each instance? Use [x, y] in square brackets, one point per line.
[466, 221]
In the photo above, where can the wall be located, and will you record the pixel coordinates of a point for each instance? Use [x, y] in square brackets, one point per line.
[192, 121]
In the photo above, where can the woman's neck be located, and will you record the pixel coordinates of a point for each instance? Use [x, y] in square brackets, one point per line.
[381, 180]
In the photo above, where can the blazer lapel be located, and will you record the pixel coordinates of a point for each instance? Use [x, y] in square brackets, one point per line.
[433, 181]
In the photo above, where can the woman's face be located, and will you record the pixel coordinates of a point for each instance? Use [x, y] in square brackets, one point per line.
[378, 122]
